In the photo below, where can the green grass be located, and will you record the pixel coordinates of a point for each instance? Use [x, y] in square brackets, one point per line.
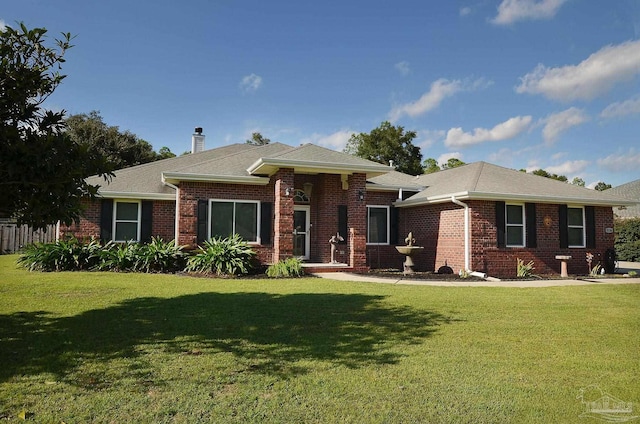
[109, 347]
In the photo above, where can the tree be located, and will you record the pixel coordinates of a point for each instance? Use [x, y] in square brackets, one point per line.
[578, 181]
[122, 149]
[452, 163]
[388, 143]
[42, 170]
[602, 186]
[430, 165]
[543, 173]
[258, 140]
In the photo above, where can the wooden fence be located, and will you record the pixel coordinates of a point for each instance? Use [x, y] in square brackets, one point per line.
[14, 237]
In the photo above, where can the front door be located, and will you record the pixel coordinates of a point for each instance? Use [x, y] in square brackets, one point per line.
[301, 232]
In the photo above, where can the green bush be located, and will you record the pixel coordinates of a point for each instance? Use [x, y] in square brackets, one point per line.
[72, 255]
[524, 270]
[291, 267]
[67, 254]
[159, 256]
[222, 256]
[627, 244]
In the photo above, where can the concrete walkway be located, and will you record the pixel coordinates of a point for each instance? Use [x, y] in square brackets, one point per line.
[624, 267]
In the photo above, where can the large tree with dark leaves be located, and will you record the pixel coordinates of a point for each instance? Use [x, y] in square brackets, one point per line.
[42, 170]
[388, 143]
[121, 148]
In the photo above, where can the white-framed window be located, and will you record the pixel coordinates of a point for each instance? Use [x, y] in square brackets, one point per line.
[515, 225]
[228, 217]
[377, 224]
[575, 226]
[126, 222]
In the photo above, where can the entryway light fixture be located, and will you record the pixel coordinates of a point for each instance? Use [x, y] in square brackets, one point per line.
[308, 187]
[287, 191]
[361, 195]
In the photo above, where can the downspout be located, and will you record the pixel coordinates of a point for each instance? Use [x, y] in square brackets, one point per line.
[466, 231]
[467, 236]
[177, 214]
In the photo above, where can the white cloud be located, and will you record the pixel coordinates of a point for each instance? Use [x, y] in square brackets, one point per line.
[336, 141]
[628, 107]
[511, 11]
[250, 83]
[623, 161]
[568, 168]
[456, 137]
[427, 138]
[560, 122]
[403, 67]
[2, 25]
[438, 91]
[464, 11]
[590, 78]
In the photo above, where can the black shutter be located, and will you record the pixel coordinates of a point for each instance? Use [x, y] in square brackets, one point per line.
[393, 226]
[530, 212]
[106, 220]
[590, 226]
[203, 221]
[563, 225]
[266, 218]
[342, 222]
[500, 224]
[147, 220]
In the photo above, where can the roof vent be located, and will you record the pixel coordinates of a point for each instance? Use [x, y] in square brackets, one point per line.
[197, 141]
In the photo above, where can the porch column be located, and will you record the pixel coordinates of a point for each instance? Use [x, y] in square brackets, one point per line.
[357, 221]
[283, 206]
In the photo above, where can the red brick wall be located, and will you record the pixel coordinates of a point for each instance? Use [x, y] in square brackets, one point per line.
[283, 208]
[384, 256]
[357, 222]
[191, 192]
[163, 221]
[89, 225]
[502, 262]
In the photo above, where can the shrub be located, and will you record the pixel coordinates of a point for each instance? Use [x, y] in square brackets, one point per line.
[67, 254]
[222, 256]
[159, 256]
[524, 271]
[627, 242]
[118, 257]
[291, 267]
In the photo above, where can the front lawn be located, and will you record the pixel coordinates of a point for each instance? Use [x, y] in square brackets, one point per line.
[116, 347]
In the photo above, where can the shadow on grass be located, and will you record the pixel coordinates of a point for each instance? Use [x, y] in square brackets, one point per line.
[271, 331]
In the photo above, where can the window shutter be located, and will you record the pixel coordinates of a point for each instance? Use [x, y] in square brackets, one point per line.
[530, 212]
[342, 222]
[500, 224]
[590, 226]
[147, 220]
[203, 220]
[563, 226]
[393, 225]
[106, 220]
[266, 218]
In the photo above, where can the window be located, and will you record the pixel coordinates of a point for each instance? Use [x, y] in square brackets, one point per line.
[575, 226]
[378, 224]
[126, 225]
[234, 217]
[514, 219]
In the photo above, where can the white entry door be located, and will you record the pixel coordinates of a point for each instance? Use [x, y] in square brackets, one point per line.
[301, 232]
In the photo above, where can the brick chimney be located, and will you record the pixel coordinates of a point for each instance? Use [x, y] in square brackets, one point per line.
[197, 141]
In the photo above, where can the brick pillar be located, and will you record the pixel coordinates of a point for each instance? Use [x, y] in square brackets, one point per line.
[283, 226]
[188, 209]
[357, 222]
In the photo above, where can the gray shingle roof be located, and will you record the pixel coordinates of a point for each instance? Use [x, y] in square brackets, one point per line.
[630, 191]
[484, 181]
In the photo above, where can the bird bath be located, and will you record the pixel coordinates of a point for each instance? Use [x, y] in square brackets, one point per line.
[408, 251]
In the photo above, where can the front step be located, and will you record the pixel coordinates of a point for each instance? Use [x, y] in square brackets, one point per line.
[311, 268]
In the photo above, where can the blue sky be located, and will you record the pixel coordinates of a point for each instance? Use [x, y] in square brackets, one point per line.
[552, 84]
